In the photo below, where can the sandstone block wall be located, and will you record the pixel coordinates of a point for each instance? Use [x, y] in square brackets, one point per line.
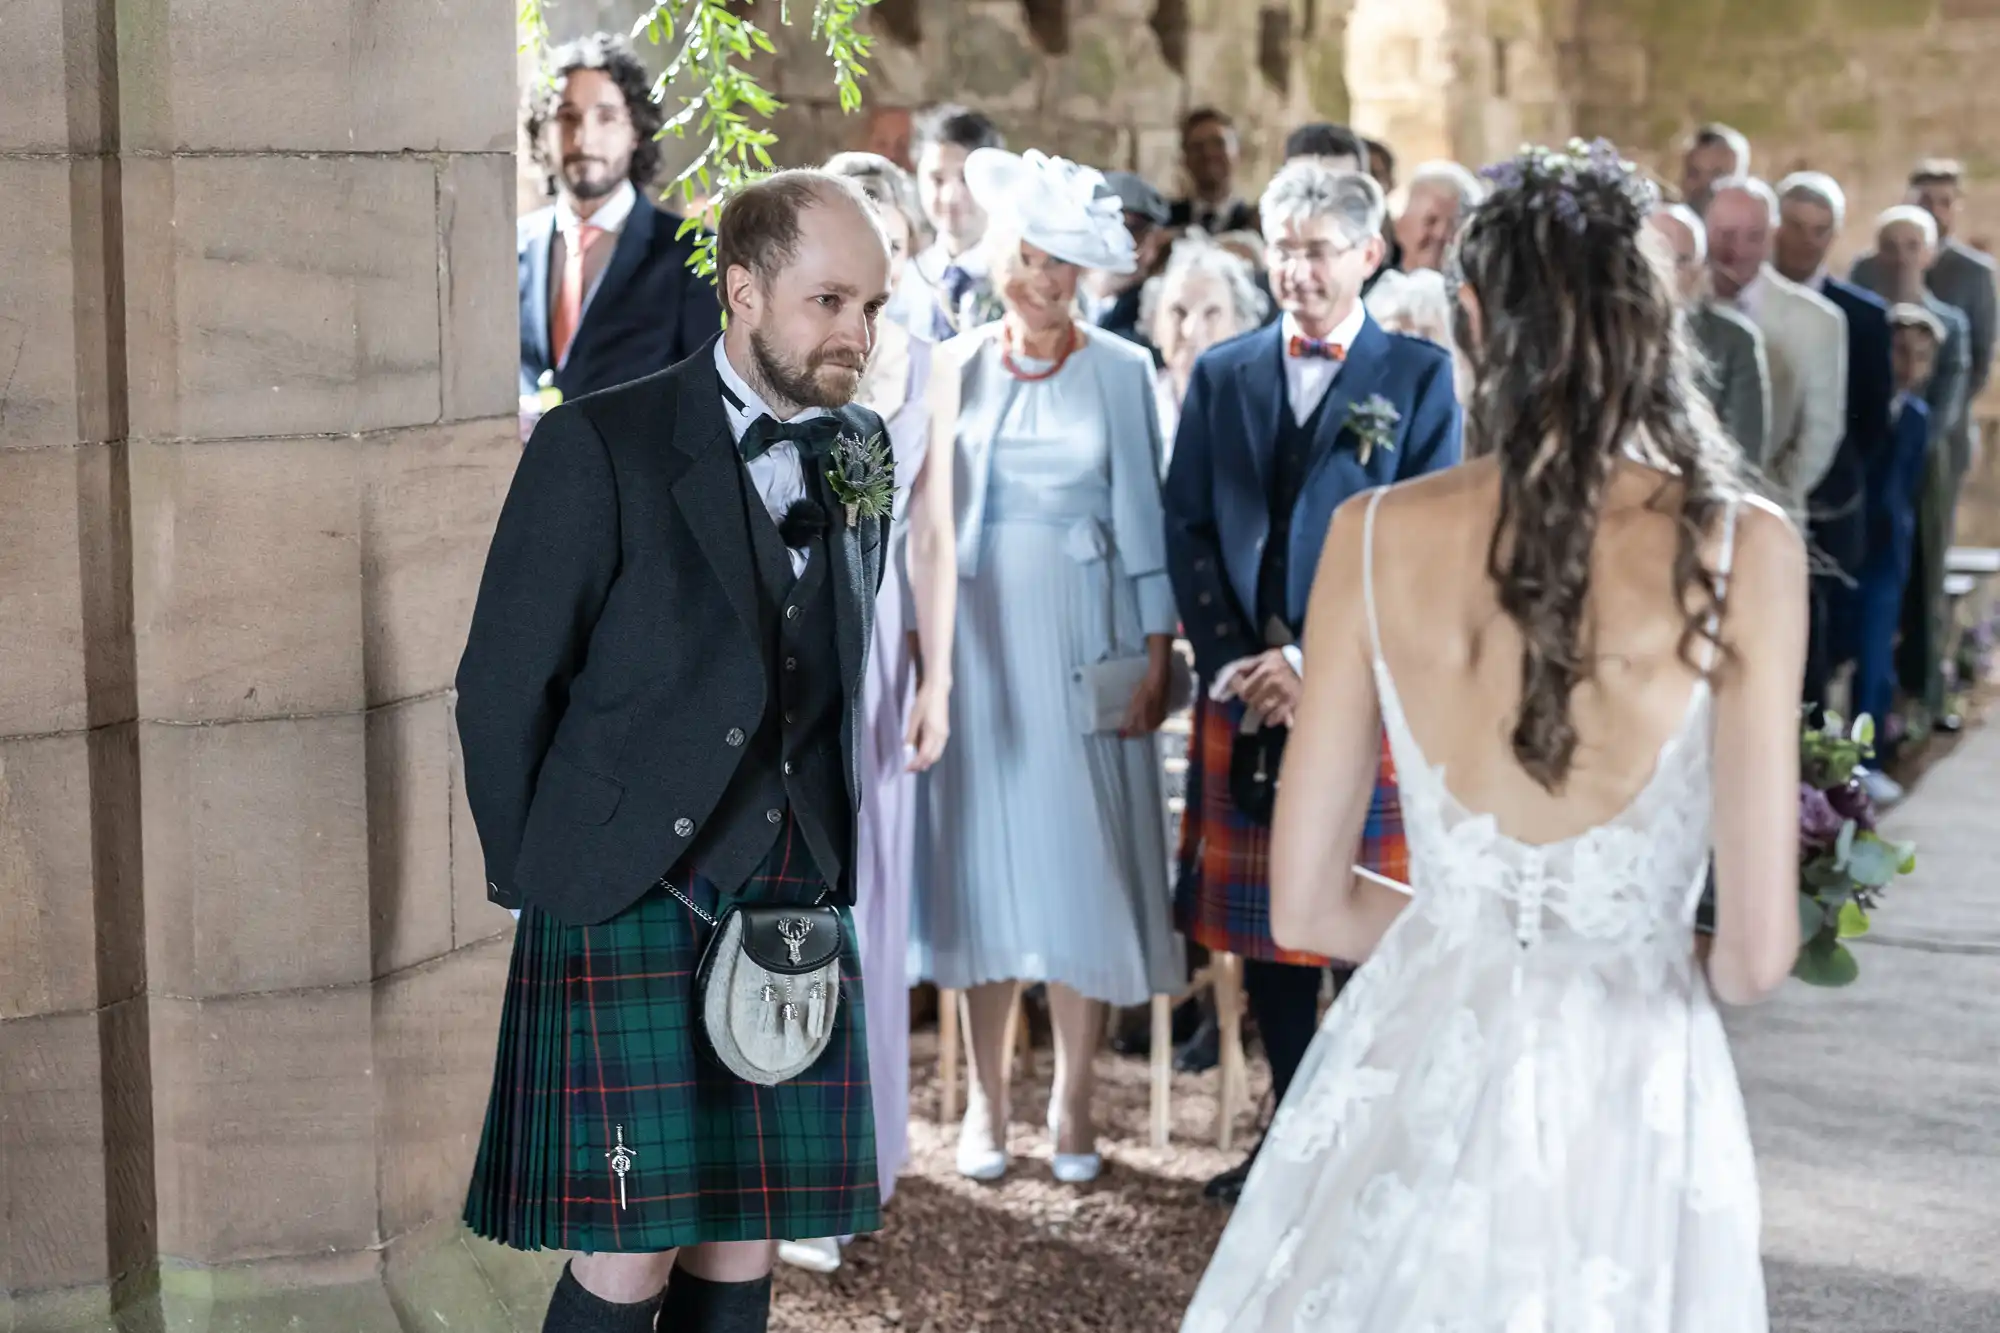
[256, 417]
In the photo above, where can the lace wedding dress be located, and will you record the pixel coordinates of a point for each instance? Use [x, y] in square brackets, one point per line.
[1521, 1115]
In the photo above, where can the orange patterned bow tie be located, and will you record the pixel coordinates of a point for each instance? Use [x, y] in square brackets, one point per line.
[1306, 348]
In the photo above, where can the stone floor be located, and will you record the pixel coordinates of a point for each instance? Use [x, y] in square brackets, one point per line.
[1876, 1112]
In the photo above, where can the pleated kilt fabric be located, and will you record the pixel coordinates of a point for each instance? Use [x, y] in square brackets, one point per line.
[1225, 904]
[598, 1050]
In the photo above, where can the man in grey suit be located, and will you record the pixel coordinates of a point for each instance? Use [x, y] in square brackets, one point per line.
[1736, 376]
[1959, 276]
[1906, 244]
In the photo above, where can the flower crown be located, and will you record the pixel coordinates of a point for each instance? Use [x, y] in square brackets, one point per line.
[1570, 181]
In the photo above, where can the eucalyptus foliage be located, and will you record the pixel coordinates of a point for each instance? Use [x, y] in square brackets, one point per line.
[724, 107]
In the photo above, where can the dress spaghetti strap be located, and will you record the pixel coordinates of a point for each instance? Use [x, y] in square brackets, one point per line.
[1368, 571]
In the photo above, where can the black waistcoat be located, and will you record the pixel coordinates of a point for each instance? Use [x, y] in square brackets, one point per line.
[793, 760]
[1290, 461]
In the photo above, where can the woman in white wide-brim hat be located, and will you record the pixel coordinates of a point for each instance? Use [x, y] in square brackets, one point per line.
[1042, 831]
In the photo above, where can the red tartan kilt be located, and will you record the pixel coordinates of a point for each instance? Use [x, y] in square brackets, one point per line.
[1223, 900]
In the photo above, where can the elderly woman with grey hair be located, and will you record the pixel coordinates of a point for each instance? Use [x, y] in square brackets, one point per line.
[1436, 199]
[1207, 295]
[1412, 303]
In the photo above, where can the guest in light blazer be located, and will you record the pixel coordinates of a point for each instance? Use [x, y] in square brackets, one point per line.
[1805, 339]
[607, 296]
[1736, 377]
[1041, 833]
[1278, 428]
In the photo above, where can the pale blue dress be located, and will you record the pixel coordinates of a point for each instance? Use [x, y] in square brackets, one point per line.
[1042, 850]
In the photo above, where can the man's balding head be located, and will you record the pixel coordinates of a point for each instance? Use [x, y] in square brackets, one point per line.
[803, 264]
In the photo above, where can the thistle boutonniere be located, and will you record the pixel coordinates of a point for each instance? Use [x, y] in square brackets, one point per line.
[862, 476]
[1373, 421]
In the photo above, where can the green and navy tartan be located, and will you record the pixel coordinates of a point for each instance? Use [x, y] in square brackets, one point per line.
[598, 1046]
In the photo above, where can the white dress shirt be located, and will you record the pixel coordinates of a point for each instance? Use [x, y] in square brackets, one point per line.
[1307, 378]
[777, 473]
[610, 217]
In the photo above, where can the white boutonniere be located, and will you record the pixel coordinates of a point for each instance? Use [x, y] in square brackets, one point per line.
[1373, 422]
[862, 475]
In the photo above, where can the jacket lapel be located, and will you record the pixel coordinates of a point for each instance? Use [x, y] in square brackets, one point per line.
[1360, 375]
[853, 561]
[535, 300]
[1263, 398]
[708, 492]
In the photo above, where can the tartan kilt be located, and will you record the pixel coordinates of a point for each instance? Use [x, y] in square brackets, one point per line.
[598, 1045]
[1222, 899]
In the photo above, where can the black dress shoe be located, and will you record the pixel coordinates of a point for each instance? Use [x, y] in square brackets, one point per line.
[1950, 724]
[1228, 1187]
[1203, 1051]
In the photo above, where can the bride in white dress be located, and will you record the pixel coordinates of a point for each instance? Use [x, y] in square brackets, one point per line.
[1586, 646]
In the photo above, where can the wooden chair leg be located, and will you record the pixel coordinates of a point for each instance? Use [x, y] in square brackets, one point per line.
[1017, 1043]
[1163, 1067]
[948, 1001]
[1234, 1081]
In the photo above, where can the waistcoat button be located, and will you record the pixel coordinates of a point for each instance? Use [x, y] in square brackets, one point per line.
[791, 613]
[735, 736]
[683, 827]
[788, 768]
[774, 815]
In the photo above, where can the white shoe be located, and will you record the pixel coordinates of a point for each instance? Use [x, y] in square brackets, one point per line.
[1073, 1168]
[985, 1164]
[815, 1256]
[1882, 789]
[1076, 1168]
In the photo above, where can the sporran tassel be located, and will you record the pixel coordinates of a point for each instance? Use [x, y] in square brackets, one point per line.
[816, 1011]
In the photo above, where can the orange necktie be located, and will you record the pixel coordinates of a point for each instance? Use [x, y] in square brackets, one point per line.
[569, 296]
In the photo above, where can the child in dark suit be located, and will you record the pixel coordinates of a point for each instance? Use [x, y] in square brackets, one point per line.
[1892, 515]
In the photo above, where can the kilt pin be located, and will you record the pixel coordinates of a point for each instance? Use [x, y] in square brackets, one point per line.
[610, 1131]
[1223, 893]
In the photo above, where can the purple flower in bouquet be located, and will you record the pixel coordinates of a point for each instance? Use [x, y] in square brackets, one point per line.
[1850, 801]
[1819, 822]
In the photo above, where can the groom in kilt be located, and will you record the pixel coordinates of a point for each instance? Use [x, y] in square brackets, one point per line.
[659, 706]
[1278, 429]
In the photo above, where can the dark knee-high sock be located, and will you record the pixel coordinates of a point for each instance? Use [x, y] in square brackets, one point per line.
[1284, 999]
[696, 1305]
[574, 1310]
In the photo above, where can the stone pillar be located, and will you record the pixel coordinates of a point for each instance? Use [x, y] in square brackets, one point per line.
[257, 337]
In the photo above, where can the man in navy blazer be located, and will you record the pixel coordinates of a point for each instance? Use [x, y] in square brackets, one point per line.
[606, 292]
[1812, 209]
[1278, 427]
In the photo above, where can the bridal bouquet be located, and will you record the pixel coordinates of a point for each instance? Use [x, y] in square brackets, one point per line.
[1844, 864]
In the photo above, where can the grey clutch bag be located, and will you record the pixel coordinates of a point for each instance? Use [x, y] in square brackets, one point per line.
[1102, 691]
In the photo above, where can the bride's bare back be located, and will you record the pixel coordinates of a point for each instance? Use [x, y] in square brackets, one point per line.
[1455, 658]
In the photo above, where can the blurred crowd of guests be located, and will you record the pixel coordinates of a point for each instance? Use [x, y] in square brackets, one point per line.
[1125, 402]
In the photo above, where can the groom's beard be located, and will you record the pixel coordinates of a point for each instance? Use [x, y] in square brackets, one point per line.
[827, 379]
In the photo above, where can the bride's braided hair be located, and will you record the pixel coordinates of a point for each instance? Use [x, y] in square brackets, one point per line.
[1581, 355]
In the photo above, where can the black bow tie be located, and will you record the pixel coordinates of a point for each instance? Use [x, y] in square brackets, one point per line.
[813, 436]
